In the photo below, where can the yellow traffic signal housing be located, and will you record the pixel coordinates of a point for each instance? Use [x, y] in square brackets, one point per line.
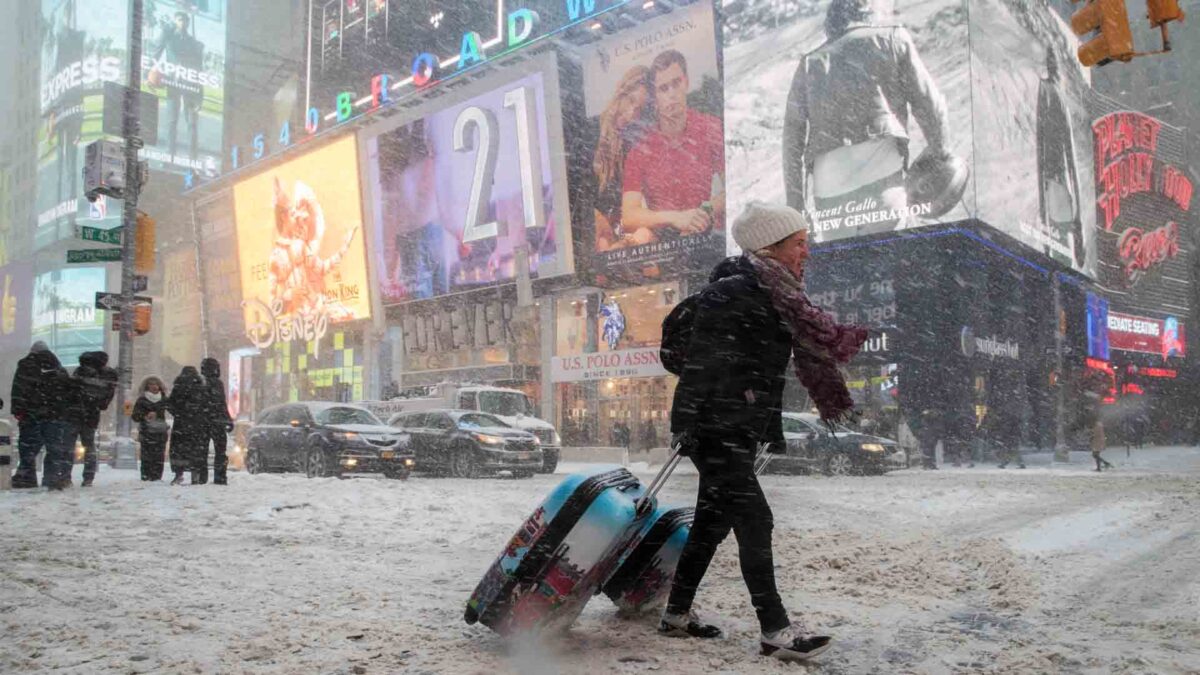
[1161, 12]
[141, 319]
[143, 252]
[1110, 20]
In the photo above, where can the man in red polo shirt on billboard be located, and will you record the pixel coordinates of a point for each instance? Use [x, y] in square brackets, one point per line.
[674, 181]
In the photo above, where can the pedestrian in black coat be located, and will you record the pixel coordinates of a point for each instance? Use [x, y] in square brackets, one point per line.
[150, 414]
[189, 436]
[43, 399]
[96, 383]
[219, 423]
[750, 320]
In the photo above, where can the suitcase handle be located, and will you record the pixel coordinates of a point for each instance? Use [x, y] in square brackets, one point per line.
[761, 459]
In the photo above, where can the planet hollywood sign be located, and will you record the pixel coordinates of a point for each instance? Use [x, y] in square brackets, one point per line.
[517, 29]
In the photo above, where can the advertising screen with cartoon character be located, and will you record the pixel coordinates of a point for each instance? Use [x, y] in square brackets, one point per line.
[300, 246]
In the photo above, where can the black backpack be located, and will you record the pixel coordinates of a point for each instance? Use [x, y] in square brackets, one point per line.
[677, 335]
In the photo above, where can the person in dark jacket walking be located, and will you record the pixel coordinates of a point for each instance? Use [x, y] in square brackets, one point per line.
[189, 436]
[41, 393]
[218, 421]
[750, 320]
[96, 384]
[150, 414]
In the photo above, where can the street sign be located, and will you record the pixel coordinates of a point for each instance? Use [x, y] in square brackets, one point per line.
[94, 255]
[112, 301]
[140, 283]
[112, 236]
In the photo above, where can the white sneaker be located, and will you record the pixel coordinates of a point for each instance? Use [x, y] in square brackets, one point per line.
[791, 644]
[686, 625]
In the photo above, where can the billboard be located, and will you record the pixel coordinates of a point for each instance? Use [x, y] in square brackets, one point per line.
[16, 295]
[217, 240]
[64, 311]
[1032, 144]
[459, 191]
[1161, 337]
[183, 65]
[83, 46]
[652, 95]
[300, 246]
[181, 329]
[1144, 209]
[855, 111]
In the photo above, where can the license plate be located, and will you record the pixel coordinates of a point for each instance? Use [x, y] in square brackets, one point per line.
[524, 455]
[388, 454]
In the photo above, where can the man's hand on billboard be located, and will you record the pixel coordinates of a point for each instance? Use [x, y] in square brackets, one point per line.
[693, 221]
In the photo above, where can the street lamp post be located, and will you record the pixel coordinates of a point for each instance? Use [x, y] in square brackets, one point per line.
[131, 128]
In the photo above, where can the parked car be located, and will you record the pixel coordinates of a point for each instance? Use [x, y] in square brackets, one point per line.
[468, 444]
[811, 447]
[326, 439]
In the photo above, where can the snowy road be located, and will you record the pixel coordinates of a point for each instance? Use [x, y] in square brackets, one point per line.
[1051, 569]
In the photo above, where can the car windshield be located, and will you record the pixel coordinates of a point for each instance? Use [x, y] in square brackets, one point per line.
[479, 421]
[343, 415]
[505, 403]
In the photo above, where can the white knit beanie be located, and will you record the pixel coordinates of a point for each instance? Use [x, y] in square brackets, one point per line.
[762, 224]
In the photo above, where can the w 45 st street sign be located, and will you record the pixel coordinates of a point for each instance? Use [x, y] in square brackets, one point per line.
[110, 236]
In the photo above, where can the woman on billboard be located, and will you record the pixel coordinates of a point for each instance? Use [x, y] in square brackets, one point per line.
[846, 134]
[621, 127]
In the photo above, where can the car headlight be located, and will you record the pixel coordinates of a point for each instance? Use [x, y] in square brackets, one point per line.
[872, 447]
[488, 439]
[345, 435]
[409, 461]
[536, 442]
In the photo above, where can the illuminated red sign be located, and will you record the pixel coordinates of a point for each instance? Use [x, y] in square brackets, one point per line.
[1167, 373]
[1162, 337]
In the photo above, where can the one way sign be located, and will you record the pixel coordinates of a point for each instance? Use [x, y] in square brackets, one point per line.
[112, 301]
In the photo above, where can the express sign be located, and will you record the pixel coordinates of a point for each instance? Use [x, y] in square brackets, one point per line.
[1163, 337]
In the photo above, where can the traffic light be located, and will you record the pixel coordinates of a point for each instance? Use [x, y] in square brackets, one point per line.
[143, 251]
[1114, 40]
[141, 319]
[1161, 12]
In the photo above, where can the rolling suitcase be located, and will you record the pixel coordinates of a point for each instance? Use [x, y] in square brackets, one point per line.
[562, 554]
[642, 580]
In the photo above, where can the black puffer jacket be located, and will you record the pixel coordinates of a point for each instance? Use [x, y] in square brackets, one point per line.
[42, 389]
[98, 384]
[732, 383]
[188, 405]
[216, 407]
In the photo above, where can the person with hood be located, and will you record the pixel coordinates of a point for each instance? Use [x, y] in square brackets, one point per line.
[96, 384]
[218, 423]
[189, 436]
[150, 414]
[846, 125]
[752, 318]
[41, 393]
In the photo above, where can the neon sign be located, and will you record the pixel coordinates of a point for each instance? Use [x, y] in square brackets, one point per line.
[516, 29]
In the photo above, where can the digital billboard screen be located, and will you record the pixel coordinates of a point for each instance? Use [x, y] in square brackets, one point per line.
[847, 110]
[183, 65]
[652, 95]
[64, 311]
[83, 46]
[457, 192]
[300, 246]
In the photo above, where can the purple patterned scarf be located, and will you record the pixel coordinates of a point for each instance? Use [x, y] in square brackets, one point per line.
[819, 343]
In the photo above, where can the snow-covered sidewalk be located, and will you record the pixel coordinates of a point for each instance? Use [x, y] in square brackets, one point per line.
[1050, 569]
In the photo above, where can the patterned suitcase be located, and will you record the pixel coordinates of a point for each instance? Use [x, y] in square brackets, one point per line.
[642, 581]
[562, 554]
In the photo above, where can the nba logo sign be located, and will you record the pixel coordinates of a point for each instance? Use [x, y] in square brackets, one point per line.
[98, 209]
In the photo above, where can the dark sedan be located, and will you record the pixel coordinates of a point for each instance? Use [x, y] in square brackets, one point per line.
[326, 439]
[469, 444]
[813, 448]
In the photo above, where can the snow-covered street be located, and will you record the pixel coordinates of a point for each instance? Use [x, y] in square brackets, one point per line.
[1051, 569]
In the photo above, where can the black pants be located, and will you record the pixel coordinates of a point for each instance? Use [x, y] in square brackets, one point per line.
[87, 438]
[153, 450]
[730, 498]
[220, 441]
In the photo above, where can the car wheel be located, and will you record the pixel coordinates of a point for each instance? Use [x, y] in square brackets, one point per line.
[316, 464]
[839, 464]
[254, 463]
[463, 464]
[548, 466]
